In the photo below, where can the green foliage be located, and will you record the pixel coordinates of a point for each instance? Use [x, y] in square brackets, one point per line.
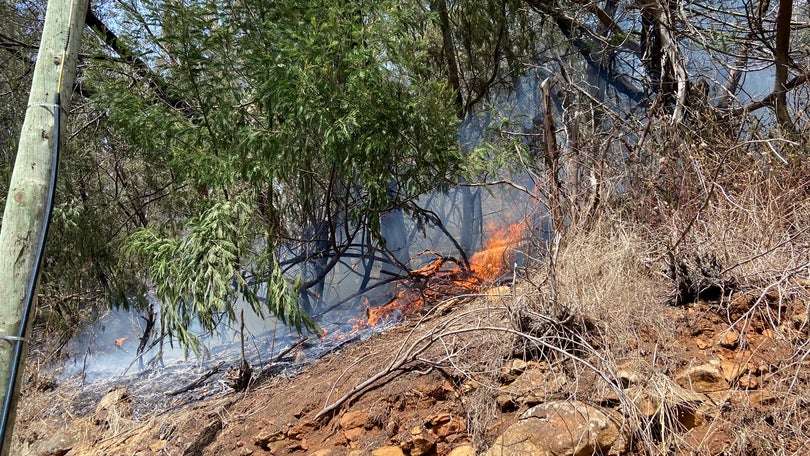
[200, 275]
[293, 112]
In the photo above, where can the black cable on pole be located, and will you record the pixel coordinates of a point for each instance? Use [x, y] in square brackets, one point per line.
[19, 340]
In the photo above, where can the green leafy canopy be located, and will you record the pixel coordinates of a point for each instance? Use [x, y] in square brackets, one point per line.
[278, 113]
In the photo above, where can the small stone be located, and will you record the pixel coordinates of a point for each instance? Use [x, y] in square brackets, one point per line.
[644, 402]
[388, 451]
[157, 445]
[354, 434]
[535, 385]
[628, 377]
[59, 444]
[732, 370]
[418, 442]
[438, 419]
[749, 381]
[463, 450]
[324, 452]
[702, 379]
[709, 439]
[505, 402]
[469, 386]
[115, 406]
[454, 425]
[730, 339]
[301, 429]
[266, 439]
[511, 369]
[769, 333]
[762, 399]
[702, 344]
[356, 419]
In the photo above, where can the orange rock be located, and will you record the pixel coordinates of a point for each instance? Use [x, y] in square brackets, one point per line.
[419, 441]
[157, 445]
[354, 434]
[748, 381]
[463, 450]
[355, 419]
[702, 344]
[730, 339]
[561, 427]
[703, 378]
[388, 451]
[732, 370]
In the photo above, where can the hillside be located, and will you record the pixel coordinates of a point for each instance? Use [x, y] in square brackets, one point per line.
[584, 355]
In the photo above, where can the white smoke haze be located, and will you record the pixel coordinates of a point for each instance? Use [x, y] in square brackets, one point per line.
[106, 354]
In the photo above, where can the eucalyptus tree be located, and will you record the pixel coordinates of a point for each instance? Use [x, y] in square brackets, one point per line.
[291, 126]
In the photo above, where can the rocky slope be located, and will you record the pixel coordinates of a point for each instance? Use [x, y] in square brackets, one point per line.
[497, 374]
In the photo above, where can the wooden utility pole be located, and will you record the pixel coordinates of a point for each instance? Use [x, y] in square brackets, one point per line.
[25, 215]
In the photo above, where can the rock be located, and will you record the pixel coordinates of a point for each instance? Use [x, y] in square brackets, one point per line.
[157, 445]
[463, 450]
[532, 387]
[356, 419]
[702, 344]
[354, 424]
[354, 434]
[324, 452]
[560, 428]
[445, 424]
[670, 399]
[418, 441]
[748, 381]
[438, 419]
[511, 369]
[730, 339]
[58, 444]
[707, 439]
[703, 378]
[629, 377]
[732, 370]
[114, 408]
[301, 429]
[388, 451]
[271, 441]
[760, 400]
[647, 404]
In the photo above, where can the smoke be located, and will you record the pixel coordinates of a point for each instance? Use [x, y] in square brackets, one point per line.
[453, 225]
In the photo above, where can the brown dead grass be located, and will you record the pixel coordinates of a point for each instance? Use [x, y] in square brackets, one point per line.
[594, 316]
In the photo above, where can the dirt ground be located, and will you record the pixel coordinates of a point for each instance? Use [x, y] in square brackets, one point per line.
[442, 384]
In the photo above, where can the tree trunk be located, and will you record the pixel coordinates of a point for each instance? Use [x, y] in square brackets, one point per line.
[781, 58]
[552, 159]
[24, 218]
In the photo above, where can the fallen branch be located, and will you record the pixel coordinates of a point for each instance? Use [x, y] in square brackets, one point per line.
[196, 383]
[422, 344]
[267, 371]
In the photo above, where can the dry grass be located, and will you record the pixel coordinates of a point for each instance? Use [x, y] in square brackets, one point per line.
[611, 275]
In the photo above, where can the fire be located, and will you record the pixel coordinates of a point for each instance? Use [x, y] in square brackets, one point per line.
[488, 264]
[436, 280]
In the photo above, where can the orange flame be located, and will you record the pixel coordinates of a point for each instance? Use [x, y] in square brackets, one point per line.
[435, 281]
[489, 263]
